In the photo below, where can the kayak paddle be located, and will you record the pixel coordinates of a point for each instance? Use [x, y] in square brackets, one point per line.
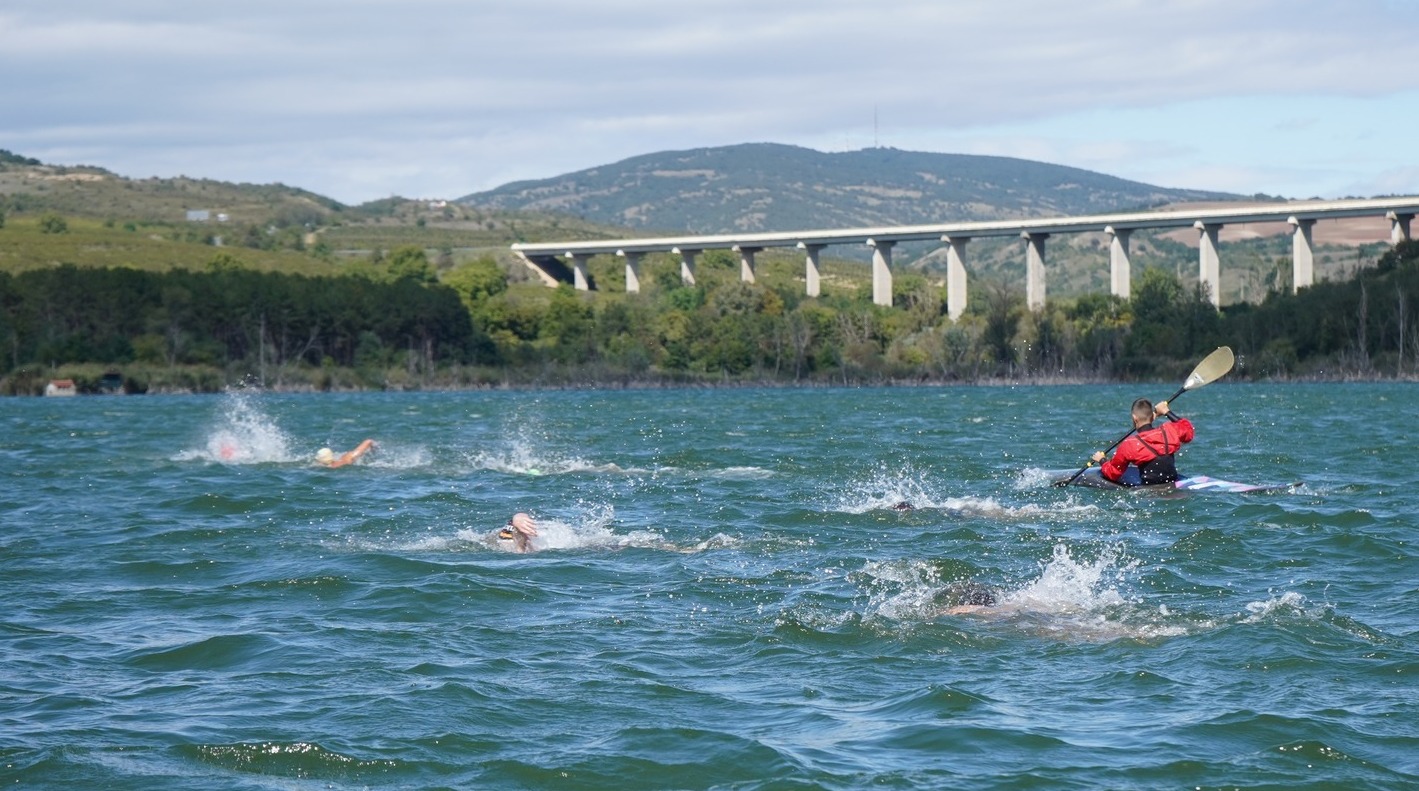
[1213, 367]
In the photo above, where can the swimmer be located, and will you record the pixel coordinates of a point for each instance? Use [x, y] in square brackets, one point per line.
[969, 597]
[904, 506]
[518, 532]
[327, 457]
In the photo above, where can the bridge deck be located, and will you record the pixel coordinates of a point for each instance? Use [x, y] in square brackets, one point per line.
[543, 257]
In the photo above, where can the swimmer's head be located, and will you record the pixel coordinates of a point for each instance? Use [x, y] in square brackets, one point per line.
[325, 455]
[971, 593]
[517, 530]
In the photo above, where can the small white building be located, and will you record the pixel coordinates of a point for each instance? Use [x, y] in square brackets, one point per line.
[60, 387]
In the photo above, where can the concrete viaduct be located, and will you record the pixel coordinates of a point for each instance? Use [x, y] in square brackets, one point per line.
[546, 258]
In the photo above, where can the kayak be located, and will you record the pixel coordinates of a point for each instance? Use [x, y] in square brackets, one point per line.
[1193, 483]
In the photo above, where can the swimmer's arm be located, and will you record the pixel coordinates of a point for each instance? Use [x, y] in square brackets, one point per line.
[362, 449]
[348, 457]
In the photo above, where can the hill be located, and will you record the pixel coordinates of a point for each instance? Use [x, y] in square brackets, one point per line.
[160, 223]
[96, 193]
[772, 187]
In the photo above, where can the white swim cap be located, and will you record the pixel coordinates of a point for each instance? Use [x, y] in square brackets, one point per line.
[325, 455]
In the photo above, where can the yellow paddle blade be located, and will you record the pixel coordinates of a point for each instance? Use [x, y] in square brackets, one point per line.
[1213, 367]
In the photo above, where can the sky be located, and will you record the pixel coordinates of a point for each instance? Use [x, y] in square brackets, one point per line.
[365, 99]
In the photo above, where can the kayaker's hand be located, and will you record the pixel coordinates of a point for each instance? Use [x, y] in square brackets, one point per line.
[1097, 458]
[1161, 409]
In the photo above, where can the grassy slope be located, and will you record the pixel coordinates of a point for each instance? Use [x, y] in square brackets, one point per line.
[97, 194]
[24, 246]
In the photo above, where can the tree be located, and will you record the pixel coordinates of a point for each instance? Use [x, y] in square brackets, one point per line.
[567, 325]
[1403, 255]
[1002, 319]
[410, 262]
[50, 222]
[1156, 297]
[1100, 322]
[477, 280]
[223, 262]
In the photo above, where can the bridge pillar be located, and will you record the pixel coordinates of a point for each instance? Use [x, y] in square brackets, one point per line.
[633, 271]
[746, 262]
[1303, 257]
[1120, 268]
[687, 265]
[579, 279]
[1399, 227]
[1209, 263]
[1034, 269]
[811, 267]
[881, 272]
[955, 275]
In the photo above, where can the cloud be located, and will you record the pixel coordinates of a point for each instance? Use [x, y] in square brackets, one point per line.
[365, 98]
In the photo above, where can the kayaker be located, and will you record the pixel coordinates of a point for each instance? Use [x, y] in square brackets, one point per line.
[1145, 457]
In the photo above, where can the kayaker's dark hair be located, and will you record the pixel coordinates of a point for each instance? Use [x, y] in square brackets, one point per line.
[1143, 410]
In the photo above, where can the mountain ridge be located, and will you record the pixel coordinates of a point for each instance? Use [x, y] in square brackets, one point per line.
[752, 187]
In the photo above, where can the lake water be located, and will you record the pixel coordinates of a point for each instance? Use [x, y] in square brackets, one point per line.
[723, 595]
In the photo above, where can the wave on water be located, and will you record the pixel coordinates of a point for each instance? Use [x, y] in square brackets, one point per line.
[1286, 606]
[903, 490]
[739, 473]
[398, 458]
[520, 457]
[1036, 478]
[241, 434]
[292, 759]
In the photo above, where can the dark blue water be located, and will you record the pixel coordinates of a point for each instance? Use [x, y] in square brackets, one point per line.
[722, 596]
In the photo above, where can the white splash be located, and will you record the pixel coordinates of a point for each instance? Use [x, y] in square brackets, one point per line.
[884, 490]
[1288, 602]
[242, 434]
[1070, 599]
[521, 454]
[1066, 585]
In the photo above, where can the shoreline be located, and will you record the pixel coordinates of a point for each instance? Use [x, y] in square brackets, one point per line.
[1053, 380]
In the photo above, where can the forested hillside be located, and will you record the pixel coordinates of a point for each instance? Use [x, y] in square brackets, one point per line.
[183, 330]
